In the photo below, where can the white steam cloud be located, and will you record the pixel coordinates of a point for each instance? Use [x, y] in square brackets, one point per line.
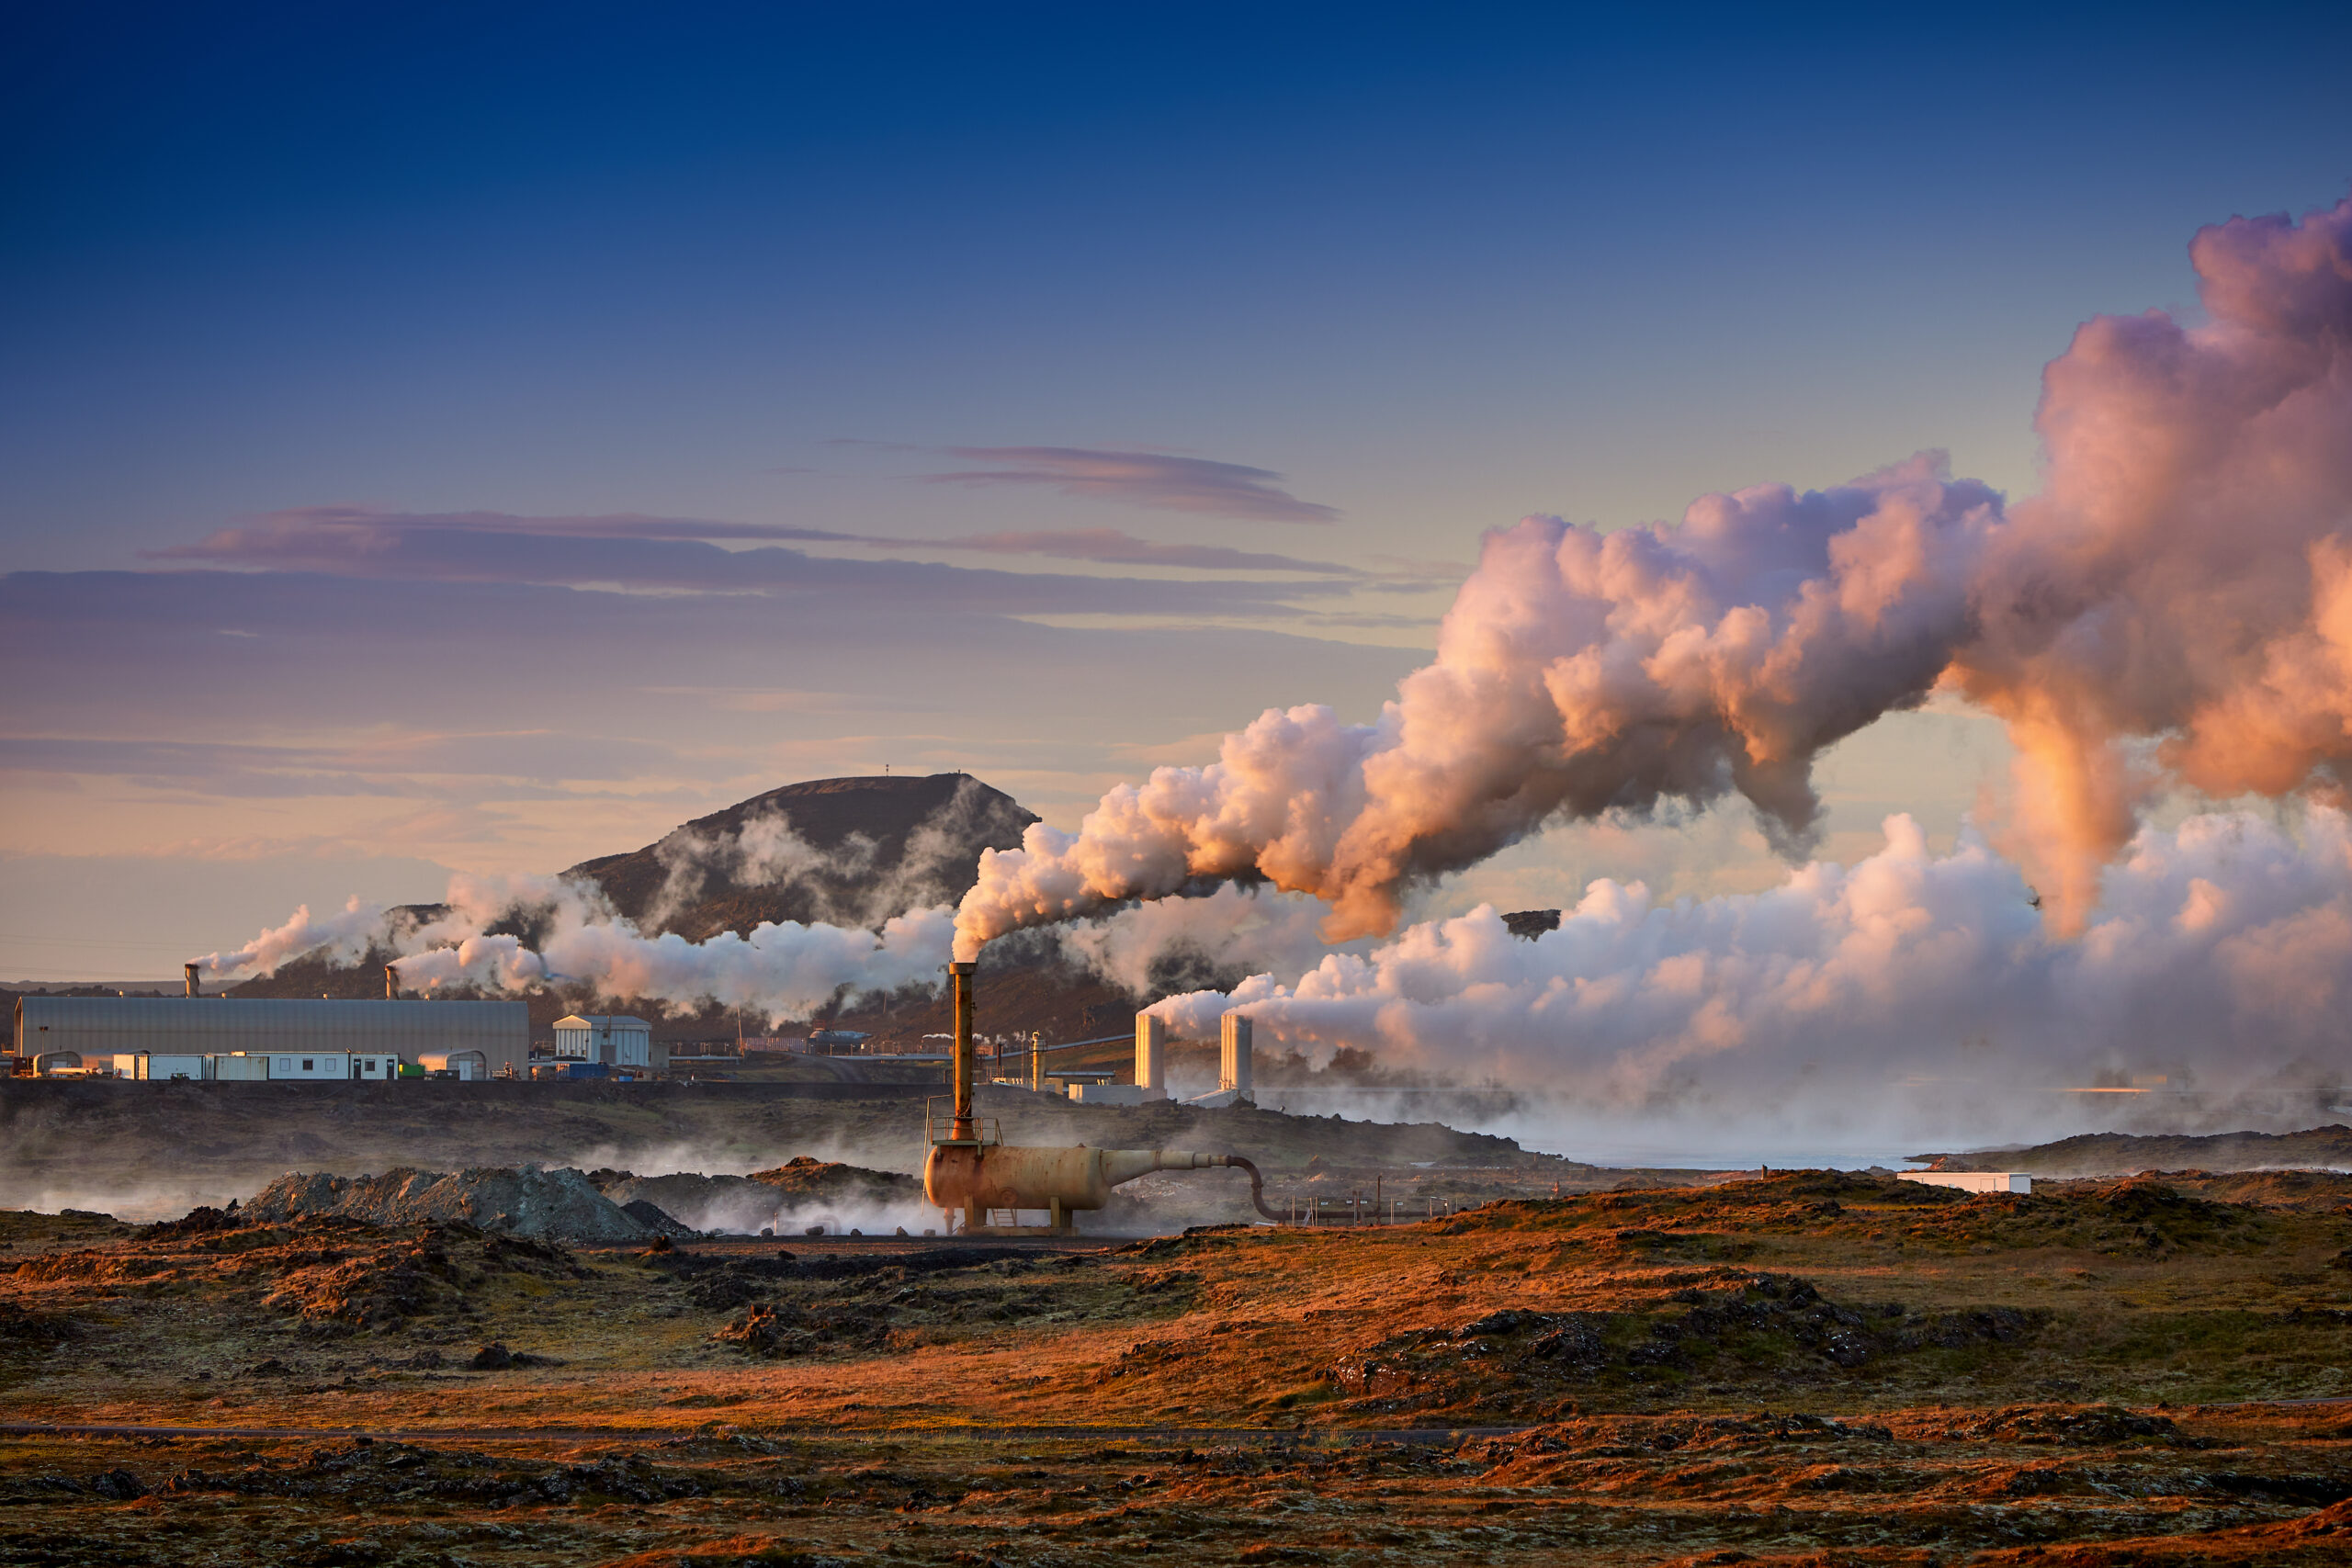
[2220, 959]
[345, 935]
[2186, 579]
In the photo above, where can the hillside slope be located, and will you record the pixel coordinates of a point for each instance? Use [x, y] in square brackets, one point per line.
[849, 852]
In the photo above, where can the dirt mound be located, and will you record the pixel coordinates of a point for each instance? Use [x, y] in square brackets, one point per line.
[514, 1201]
[805, 1177]
[728, 1205]
[1763, 1326]
[786, 1199]
[658, 1220]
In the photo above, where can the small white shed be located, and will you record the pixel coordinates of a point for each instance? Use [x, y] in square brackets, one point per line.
[1973, 1180]
[609, 1038]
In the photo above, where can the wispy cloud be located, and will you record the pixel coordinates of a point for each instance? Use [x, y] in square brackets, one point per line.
[676, 554]
[1112, 547]
[335, 534]
[1154, 479]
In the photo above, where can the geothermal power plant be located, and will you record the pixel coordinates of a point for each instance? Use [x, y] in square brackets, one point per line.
[972, 1175]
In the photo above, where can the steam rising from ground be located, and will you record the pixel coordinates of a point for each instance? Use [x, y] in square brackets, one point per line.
[2185, 577]
[782, 969]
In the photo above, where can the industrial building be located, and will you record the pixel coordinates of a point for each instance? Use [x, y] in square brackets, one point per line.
[610, 1040]
[474, 1040]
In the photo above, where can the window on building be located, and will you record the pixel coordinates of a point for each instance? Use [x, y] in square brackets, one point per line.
[306, 1064]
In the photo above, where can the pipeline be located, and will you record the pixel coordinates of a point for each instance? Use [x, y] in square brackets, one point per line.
[1257, 1187]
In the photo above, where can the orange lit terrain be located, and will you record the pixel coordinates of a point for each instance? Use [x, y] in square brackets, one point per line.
[1811, 1367]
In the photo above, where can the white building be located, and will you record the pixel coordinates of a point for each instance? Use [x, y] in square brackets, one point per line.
[611, 1039]
[1973, 1180]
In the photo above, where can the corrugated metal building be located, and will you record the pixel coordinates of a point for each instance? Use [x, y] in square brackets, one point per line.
[103, 1027]
[613, 1039]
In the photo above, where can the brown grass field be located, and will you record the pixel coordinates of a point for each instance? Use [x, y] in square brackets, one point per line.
[1808, 1368]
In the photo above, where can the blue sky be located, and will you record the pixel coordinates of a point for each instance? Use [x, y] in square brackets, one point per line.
[1072, 381]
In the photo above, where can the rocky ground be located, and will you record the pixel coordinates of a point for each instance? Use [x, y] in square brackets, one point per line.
[1812, 1368]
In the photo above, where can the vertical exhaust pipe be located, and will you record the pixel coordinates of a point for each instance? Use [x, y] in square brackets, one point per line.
[391, 983]
[963, 1129]
[194, 990]
[1151, 1052]
[1233, 1066]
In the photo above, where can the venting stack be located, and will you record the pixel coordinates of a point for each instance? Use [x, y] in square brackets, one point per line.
[971, 1179]
[1151, 1051]
[1233, 1056]
[962, 1129]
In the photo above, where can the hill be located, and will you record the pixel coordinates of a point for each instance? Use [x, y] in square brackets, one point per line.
[847, 851]
[2120, 1154]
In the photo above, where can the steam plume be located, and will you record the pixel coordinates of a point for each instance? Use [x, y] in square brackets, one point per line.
[345, 934]
[2185, 577]
[2220, 955]
[781, 969]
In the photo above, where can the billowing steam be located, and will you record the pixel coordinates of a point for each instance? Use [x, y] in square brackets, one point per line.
[782, 969]
[2221, 957]
[2185, 577]
[344, 935]
[1231, 930]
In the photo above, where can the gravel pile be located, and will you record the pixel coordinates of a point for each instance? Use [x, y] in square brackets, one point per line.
[506, 1201]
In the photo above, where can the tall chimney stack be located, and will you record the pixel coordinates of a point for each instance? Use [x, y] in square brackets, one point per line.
[391, 983]
[963, 1129]
[193, 988]
[1151, 1052]
[1233, 1066]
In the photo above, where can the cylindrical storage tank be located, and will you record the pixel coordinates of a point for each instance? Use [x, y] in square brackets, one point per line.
[1000, 1176]
[1151, 1054]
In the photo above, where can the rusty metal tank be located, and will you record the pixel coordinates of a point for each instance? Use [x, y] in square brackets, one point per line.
[1007, 1176]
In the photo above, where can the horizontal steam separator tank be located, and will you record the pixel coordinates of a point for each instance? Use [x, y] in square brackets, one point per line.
[967, 1175]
